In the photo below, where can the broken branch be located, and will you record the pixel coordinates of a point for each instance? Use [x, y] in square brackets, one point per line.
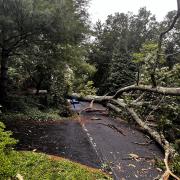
[146, 88]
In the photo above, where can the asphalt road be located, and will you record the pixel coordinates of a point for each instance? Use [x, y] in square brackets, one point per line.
[94, 139]
[128, 155]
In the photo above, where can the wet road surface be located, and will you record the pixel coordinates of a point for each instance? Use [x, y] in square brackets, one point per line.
[58, 138]
[94, 139]
[129, 155]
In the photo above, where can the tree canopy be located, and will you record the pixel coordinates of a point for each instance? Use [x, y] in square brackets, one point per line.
[38, 39]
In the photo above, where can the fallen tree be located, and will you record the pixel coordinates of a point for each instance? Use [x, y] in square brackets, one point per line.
[91, 97]
[117, 105]
[158, 137]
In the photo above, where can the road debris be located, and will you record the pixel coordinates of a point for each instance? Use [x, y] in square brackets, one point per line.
[114, 128]
[95, 118]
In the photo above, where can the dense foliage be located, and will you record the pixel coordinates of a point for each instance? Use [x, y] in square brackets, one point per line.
[115, 42]
[39, 42]
[125, 52]
[6, 144]
[137, 50]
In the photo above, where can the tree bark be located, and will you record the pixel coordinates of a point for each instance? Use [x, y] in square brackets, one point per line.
[91, 97]
[145, 88]
[4, 75]
[38, 86]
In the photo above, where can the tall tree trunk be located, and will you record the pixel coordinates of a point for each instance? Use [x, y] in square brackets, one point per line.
[4, 75]
[38, 85]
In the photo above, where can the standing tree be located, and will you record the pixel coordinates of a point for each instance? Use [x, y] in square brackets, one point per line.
[116, 40]
[33, 23]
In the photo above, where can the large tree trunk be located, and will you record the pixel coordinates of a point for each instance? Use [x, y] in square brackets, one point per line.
[4, 75]
[99, 99]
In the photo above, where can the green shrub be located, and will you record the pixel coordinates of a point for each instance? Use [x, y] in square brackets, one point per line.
[88, 89]
[6, 142]
[176, 165]
[6, 153]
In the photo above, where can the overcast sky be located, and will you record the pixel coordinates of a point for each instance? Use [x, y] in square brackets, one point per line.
[100, 9]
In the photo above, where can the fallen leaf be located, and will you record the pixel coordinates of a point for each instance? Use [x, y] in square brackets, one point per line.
[136, 176]
[145, 169]
[95, 118]
[131, 165]
[19, 177]
[160, 170]
[134, 156]
[119, 167]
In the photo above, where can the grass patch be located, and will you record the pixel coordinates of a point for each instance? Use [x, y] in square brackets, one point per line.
[39, 166]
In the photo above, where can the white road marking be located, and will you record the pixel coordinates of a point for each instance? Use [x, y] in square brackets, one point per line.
[103, 158]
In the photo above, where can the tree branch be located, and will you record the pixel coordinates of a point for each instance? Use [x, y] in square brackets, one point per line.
[146, 88]
[159, 138]
[161, 39]
[169, 29]
[15, 37]
[22, 38]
